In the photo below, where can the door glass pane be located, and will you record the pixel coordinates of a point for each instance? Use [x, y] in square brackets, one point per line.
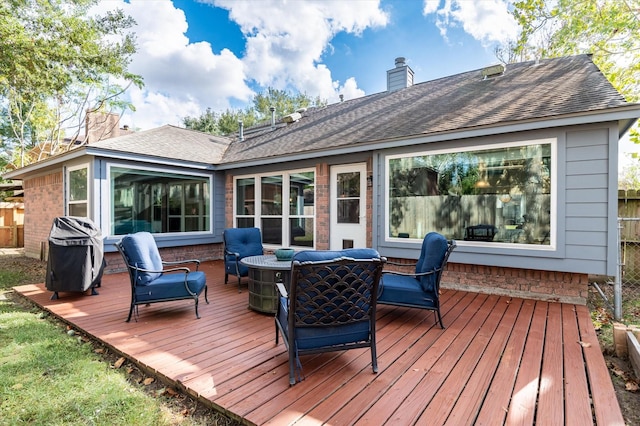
[349, 211]
[348, 184]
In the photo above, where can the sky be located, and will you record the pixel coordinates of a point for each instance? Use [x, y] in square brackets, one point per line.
[218, 54]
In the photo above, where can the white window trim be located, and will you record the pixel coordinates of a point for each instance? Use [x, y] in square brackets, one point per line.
[257, 215]
[106, 207]
[67, 195]
[554, 192]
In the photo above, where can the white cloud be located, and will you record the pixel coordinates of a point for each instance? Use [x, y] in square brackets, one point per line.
[286, 40]
[181, 78]
[488, 21]
[430, 6]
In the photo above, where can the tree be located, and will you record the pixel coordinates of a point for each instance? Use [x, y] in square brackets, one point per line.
[608, 29]
[57, 63]
[226, 123]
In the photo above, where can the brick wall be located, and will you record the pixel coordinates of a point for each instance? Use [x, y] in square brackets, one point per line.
[203, 252]
[533, 284]
[42, 203]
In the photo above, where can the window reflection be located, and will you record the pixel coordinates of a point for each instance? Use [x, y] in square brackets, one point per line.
[497, 195]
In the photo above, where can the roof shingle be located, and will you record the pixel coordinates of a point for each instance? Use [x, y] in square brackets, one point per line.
[526, 91]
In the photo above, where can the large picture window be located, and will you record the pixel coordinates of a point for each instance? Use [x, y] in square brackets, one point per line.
[158, 202]
[282, 205]
[497, 195]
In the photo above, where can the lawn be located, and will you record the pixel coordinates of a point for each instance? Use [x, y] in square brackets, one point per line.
[51, 374]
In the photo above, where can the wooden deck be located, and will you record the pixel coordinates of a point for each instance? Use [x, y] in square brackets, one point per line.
[500, 360]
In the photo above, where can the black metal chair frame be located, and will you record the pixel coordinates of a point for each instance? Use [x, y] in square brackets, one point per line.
[326, 279]
[134, 270]
[451, 245]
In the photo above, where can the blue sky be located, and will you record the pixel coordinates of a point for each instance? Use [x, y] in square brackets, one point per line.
[218, 54]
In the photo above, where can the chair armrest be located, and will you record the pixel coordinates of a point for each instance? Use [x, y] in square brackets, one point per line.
[400, 264]
[231, 253]
[182, 262]
[411, 274]
[182, 269]
[404, 274]
[282, 290]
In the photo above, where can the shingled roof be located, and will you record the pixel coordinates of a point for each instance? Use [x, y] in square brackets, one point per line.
[536, 90]
[169, 142]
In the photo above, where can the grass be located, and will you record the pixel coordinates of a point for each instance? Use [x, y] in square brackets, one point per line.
[51, 375]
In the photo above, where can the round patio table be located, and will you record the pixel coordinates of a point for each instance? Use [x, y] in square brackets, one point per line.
[264, 272]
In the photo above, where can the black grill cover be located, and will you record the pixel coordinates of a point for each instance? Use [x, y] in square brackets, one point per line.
[76, 255]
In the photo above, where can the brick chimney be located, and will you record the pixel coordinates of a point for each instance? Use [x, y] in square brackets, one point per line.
[101, 125]
[399, 77]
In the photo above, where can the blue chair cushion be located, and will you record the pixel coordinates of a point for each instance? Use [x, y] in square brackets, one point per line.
[326, 255]
[143, 253]
[245, 242]
[171, 286]
[320, 337]
[405, 290]
[434, 248]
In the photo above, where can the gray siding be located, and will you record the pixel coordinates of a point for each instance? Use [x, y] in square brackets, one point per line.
[218, 205]
[584, 216]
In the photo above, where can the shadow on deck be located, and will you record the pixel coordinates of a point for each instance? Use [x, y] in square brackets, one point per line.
[500, 360]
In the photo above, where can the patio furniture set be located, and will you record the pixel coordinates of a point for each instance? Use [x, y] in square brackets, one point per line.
[322, 300]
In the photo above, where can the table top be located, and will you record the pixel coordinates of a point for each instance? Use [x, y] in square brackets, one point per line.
[266, 261]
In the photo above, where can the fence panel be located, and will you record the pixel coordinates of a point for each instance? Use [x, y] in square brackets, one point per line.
[629, 267]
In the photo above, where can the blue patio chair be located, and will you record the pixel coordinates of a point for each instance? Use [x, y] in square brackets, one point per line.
[238, 244]
[420, 289]
[151, 281]
[330, 304]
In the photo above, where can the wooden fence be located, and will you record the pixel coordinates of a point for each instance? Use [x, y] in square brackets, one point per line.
[11, 224]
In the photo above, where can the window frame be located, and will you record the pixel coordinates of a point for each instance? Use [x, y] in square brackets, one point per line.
[67, 199]
[285, 216]
[553, 226]
[108, 210]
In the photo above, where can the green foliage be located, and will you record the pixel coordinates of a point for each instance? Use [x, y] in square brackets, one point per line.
[607, 29]
[226, 123]
[629, 178]
[56, 62]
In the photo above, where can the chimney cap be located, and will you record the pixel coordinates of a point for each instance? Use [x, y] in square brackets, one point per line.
[400, 61]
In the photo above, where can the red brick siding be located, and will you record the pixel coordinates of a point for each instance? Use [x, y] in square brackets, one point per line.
[43, 201]
[203, 252]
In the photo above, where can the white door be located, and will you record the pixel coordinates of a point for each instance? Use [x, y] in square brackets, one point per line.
[348, 206]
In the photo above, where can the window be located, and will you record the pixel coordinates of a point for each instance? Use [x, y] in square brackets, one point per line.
[158, 202]
[284, 219]
[497, 195]
[78, 191]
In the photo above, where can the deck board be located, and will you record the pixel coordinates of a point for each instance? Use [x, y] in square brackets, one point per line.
[500, 360]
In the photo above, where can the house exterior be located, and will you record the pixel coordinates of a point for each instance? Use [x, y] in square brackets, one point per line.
[518, 164]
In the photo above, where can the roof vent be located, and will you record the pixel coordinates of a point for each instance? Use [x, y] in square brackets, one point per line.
[273, 117]
[291, 118]
[240, 130]
[492, 71]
